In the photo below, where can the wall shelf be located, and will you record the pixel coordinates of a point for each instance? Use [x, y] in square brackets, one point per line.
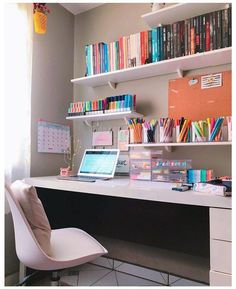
[174, 65]
[178, 12]
[106, 116]
[181, 144]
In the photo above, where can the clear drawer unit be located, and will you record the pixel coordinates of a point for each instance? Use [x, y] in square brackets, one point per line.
[164, 170]
[141, 164]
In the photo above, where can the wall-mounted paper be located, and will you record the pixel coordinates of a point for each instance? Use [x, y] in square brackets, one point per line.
[211, 80]
[53, 137]
[123, 139]
[102, 138]
[122, 166]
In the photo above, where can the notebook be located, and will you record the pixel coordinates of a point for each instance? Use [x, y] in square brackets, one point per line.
[96, 164]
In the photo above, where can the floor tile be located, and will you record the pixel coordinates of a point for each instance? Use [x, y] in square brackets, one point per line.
[103, 261]
[108, 280]
[143, 273]
[129, 280]
[70, 280]
[117, 264]
[177, 281]
[88, 267]
[89, 274]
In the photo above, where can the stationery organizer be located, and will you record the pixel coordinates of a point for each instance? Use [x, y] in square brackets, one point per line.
[164, 170]
[196, 176]
[118, 103]
[141, 164]
[180, 130]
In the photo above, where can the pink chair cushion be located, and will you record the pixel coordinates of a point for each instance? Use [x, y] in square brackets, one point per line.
[34, 212]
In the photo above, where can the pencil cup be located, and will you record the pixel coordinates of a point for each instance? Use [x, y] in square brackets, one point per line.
[166, 137]
[219, 136]
[149, 135]
[199, 131]
[215, 132]
[136, 135]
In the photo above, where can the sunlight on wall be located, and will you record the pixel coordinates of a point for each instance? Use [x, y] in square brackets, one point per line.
[18, 67]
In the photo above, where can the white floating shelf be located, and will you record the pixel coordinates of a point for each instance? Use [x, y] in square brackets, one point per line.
[181, 144]
[194, 61]
[178, 12]
[106, 116]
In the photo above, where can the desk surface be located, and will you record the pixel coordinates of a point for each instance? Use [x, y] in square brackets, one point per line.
[123, 187]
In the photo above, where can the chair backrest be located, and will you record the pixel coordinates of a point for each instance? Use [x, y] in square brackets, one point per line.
[28, 249]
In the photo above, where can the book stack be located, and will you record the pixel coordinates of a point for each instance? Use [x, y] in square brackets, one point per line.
[202, 33]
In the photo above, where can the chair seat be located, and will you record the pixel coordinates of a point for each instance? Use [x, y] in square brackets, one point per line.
[71, 244]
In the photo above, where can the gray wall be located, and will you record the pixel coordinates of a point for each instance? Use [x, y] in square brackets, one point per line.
[52, 91]
[107, 23]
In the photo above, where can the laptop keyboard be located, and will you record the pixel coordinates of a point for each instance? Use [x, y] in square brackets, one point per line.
[78, 178]
[86, 179]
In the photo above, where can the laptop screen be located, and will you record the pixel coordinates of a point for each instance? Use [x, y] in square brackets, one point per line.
[99, 163]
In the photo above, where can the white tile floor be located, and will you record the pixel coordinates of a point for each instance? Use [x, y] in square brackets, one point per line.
[108, 272]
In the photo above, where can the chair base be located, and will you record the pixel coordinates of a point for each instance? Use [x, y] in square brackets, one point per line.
[55, 280]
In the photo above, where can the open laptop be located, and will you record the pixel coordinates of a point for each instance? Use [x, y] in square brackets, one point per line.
[96, 164]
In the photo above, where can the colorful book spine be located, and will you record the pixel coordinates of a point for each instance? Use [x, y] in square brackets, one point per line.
[142, 47]
[218, 30]
[225, 27]
[192, 36]
[181, 38]
[174, 39]
[121, 53]
[207, 48]
[197, 35]
[154, 44]
[186, 36]
[168, 48]
[158, 44]
[149, 46]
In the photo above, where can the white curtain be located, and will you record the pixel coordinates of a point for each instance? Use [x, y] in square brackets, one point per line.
[18, 71]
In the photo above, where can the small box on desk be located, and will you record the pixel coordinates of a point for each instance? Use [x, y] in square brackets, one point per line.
[175, 171]
[141, 164]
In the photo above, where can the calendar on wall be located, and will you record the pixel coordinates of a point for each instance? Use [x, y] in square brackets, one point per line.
[53, 137]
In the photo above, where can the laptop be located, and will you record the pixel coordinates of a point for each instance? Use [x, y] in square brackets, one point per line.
[96, 164]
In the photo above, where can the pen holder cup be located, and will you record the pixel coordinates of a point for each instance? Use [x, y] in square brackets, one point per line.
[149, 135]
[135, 135]
[166, 137]
[218, 136]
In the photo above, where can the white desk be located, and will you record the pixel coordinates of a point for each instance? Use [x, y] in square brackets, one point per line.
[165, 260]
[141, 190]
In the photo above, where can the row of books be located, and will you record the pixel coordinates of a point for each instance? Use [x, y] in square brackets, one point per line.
[197, 34]
[118, 103]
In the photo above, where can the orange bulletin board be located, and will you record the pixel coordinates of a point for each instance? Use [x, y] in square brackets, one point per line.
[187, 99]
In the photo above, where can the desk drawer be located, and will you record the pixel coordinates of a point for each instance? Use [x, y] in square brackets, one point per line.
[220, 279]
[220, 224]
[221, 256]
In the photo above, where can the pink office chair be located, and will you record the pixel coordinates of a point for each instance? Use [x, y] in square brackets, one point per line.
[69, 247]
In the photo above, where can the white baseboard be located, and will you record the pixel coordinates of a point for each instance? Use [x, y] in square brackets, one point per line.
[12, 280]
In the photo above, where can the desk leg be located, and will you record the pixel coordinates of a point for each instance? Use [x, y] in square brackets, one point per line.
[22, 272]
